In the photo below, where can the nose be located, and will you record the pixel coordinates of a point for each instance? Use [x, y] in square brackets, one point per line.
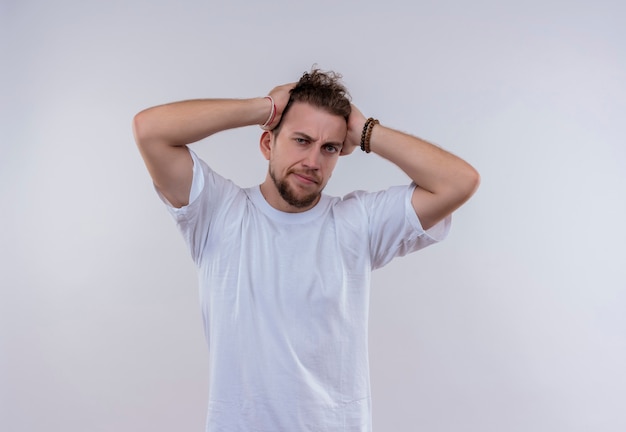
[312, 158]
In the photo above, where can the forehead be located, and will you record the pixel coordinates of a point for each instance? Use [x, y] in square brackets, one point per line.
[314, 121]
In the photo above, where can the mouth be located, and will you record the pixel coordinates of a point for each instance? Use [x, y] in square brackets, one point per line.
[305, 178]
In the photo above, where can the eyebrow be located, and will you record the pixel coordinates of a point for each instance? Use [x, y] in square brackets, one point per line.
[310, 138]
[305, 136]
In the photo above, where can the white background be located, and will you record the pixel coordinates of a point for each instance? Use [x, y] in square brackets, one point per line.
[516, 323]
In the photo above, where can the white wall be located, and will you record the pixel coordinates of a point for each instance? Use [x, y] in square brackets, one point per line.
[516, 323]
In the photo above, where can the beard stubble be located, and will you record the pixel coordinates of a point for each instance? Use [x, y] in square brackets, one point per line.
[289, 195]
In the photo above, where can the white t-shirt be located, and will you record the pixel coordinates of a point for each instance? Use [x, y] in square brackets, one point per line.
[285, 299]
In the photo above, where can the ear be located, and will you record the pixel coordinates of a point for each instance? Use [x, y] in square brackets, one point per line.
[265, 144]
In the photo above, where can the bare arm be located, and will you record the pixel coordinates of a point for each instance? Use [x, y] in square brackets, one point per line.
[444, 180]
[163, 132]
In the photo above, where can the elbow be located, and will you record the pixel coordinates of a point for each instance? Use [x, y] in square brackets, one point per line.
[463, 185]
[141, 127]
[469, 183]
[473, 181]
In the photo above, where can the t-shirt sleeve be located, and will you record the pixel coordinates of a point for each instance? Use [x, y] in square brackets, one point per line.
[394, 228]
[208, 194]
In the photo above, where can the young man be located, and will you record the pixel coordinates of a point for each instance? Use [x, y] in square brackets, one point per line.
[285, 269]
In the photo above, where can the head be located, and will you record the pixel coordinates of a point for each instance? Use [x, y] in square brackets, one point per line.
[322, 90]
[304, 147]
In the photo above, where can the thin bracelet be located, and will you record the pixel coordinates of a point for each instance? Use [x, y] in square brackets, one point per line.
[270, 119]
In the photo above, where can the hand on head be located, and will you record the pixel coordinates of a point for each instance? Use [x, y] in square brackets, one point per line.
[280, 96]
[356, 121]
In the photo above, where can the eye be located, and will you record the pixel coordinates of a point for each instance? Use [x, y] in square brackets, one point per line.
[331, 148]
[300, 140]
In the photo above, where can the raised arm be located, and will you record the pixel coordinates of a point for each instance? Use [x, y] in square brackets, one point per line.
[163, 132]
[444, 181]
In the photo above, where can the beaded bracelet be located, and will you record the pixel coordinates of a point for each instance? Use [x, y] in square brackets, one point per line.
[270, 119]
[367, 133]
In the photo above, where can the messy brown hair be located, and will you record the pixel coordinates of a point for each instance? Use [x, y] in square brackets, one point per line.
[322, 90]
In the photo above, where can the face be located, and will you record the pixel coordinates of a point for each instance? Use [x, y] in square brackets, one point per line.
[301, 157]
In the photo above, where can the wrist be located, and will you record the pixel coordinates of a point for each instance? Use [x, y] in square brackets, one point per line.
[258, 110]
